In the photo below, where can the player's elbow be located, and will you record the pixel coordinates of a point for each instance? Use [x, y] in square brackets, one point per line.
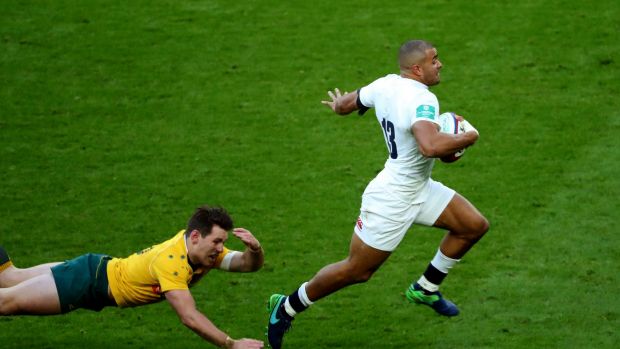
[428, 150]
[256, 266]
[189, 320]
[252, 264]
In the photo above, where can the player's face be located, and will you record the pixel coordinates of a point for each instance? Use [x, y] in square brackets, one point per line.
[210, 246]
[430, 68]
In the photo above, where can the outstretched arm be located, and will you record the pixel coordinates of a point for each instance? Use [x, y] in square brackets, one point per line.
[252, 258]
[342, 104]
[185, 306]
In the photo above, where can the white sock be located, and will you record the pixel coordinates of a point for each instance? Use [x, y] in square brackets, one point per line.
[427, 285]
[303, 296]
[289, 309]
[443, 263]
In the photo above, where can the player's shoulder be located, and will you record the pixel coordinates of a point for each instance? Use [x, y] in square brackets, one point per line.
[424, 96]
[387, 80]
[173, 251]
[383, 81]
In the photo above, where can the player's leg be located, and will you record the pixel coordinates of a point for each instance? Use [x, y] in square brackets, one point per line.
[359, 266]
[35, 296]
[362, 262]
[10, 275]
[465, 227]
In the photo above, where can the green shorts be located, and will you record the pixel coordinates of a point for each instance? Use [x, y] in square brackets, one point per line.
[82, 282]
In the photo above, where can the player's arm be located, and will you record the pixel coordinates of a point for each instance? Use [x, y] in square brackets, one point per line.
[342, 104]
[435, 144]
[183, 303]
[252, 258]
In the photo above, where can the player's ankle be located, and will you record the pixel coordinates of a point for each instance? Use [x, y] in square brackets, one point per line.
[5, 260]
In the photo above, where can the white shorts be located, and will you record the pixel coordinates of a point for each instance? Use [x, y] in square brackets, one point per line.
[384, 219]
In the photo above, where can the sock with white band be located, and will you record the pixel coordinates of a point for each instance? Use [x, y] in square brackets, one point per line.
[436, 271]
[443, 263]
[297, 301]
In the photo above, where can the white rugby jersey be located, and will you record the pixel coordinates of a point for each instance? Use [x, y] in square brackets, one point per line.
[400, 102]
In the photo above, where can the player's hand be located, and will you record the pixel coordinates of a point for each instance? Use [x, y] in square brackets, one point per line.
[468, 127]
[335, 96]
[246, 343]
[247, 238]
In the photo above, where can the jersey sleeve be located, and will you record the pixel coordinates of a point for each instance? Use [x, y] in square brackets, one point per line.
[366, 97]
[223, 260]
[427, 109]
[171, 271]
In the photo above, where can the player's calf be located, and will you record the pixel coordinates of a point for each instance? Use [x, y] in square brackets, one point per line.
[8, 305]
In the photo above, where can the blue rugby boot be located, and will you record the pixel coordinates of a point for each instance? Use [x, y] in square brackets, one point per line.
[279, 320]
[415, 294]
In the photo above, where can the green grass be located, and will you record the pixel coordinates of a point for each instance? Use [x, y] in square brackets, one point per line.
[117, 119]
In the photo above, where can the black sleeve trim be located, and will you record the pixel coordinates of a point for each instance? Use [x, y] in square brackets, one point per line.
[362, 108]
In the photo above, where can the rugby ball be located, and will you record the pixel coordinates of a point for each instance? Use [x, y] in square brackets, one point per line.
[451, 124]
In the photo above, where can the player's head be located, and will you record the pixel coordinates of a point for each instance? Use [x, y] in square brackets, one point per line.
[206, 233]
[206, 217]
[418, 60]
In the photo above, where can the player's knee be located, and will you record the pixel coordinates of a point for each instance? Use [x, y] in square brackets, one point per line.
[479, 227]
[364, 276]
[483, 226]
[353, 274]
[360, 275]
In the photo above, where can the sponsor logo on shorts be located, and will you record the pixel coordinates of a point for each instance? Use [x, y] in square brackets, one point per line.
[359, 223]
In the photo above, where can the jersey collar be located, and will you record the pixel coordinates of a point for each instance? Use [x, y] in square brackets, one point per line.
[187, 253]
[418, 84]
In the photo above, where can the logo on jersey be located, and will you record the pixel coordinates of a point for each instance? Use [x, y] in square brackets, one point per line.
[425, 111]
[156, 289]
[359, 223]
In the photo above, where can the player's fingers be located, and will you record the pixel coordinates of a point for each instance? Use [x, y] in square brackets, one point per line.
[338, 92]
[246, 237]
[242, 234]
[468, 127]
[254, 343]
[331, 95]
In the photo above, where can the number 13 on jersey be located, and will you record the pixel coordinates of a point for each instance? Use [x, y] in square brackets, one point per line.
[389, 133]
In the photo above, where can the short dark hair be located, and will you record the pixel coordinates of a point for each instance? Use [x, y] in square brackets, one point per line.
[206, 217]
[413, 51]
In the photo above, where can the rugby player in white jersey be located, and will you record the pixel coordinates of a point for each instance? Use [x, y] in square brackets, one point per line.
[402, 194]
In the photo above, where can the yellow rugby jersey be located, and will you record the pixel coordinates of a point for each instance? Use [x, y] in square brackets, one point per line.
[143, 277]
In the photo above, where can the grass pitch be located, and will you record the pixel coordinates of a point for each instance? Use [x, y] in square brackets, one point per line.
[117, 119]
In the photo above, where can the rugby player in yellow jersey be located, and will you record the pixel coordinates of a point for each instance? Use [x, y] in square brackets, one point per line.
[163, 271]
